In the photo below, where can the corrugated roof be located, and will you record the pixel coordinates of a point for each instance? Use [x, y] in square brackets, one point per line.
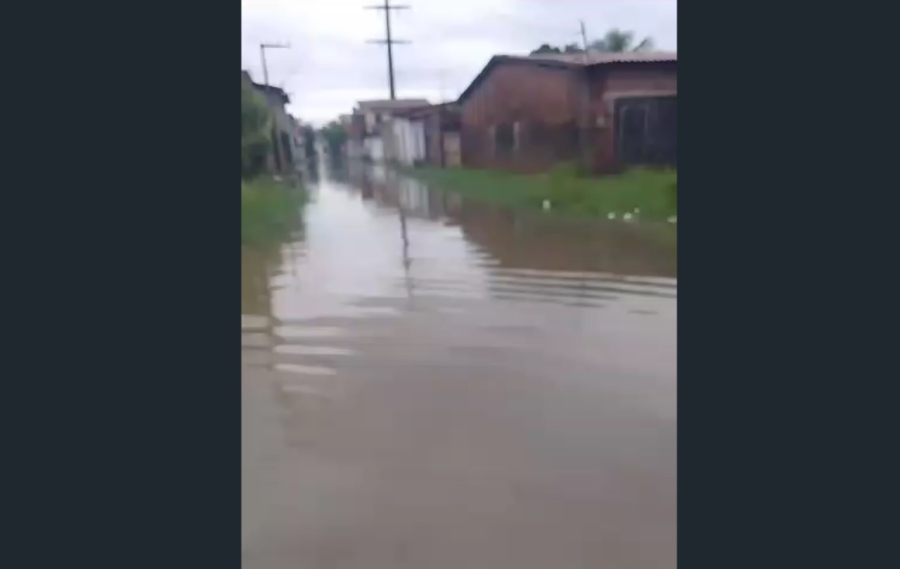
[572, 60]
[271, 89]
[598, 58]
[389, 105]
[425, 110]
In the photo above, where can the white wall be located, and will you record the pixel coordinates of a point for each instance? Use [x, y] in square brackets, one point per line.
[391, 132]
[410, 136]
[374, 148]
[419, 132]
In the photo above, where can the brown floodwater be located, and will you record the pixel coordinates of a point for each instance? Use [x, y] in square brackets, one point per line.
[429, 382]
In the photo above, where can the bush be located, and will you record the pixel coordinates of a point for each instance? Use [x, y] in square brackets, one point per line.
[255, 126]
[270, 211]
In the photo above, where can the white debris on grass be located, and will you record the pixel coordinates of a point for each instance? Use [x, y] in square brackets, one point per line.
[546, 205]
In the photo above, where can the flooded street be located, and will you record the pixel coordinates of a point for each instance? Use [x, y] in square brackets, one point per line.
[429, 383]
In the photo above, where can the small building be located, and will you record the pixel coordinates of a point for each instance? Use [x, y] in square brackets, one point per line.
[426, 135]
[404, 136]
[367, 125]
[603, 110]
[283, 126]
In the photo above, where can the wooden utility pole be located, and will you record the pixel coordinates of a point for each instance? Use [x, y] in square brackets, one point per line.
[388, 40]
[584, 43]
[262, 52]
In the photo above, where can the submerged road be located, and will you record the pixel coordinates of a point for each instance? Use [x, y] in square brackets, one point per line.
[437, 386]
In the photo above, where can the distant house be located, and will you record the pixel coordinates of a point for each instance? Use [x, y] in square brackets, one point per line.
[604, 110]
[404, 136]
[426, 135]
[284, 127]
[367, 125]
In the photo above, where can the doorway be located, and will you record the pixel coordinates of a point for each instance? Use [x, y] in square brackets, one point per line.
[646, 131]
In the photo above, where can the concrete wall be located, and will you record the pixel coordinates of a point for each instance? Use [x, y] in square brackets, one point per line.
[403, 140]
[374, 148]
[410, 140]
[418, 141]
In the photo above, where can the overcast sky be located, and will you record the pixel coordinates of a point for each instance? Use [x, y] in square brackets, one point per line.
[329, 65]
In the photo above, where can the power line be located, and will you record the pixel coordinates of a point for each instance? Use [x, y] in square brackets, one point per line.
[388, 40]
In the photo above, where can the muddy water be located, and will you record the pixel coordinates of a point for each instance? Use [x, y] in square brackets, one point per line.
[430, 383]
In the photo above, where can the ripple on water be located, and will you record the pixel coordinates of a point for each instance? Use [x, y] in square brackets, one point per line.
[460, 352]
[301, 369]
[308, 350]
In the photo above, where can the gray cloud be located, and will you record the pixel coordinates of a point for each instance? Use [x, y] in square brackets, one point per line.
[330, 66]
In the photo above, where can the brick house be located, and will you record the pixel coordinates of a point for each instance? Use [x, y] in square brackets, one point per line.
[604, 110]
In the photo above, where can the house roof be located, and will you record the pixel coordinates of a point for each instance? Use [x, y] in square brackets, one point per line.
[418, 112]
[391, 104]
[599, 58]
[272, 90]
[570, 61]
[267, 89]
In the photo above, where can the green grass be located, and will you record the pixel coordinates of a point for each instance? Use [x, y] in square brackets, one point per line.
[650, 190]
[270, 211]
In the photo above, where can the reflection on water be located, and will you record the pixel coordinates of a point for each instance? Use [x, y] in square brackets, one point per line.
[502, 384]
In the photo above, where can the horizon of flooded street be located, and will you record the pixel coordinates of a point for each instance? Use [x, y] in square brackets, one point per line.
[429, 382]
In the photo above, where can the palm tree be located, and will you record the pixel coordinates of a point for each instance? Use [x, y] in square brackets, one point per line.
[618, 41]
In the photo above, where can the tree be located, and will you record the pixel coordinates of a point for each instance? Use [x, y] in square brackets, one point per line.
[255, 139]
[615, 41]
[618, 41]
[549, 49]
[545, 48]
[335, 135]
[309, 143]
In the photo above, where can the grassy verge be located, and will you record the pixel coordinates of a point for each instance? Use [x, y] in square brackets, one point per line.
[653, 192]
[270, 210]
